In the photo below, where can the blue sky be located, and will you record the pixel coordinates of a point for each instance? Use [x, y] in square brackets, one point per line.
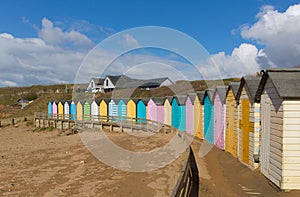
[218, 25]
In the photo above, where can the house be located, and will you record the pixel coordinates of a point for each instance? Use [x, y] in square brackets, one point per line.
[219, 100]
[141, 109]
[279, 95]
[123, 81]
[249, 121]
[231, 132]
[95, 85]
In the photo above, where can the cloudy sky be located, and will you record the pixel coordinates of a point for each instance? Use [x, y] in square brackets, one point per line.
[46, 42]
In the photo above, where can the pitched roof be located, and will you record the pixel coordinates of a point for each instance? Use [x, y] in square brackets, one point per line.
[158, 100]
[192, 97]
[98, 81]
[200, 95]
[123, 81]
[222, 92]
[286, 82]
[106, 100]
[180, 99]
[169, 98]
[210, 93]
[145, 100]
[251, 83]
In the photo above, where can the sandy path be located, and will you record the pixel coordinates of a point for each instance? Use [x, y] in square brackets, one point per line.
[223, 175]
[45, 164]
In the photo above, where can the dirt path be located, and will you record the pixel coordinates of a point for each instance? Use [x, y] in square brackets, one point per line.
[223, 175]
[45, 164]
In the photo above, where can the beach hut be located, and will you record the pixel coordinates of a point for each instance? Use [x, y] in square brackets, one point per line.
[179, 113]
[54, 109]
[122, 108]
[95, 109]
[104, 109]
[168, 110]
[189, 103]
[231, 133]
[79, 110]
[60, 109]
[67, 110]
[156, 109]
[73, 110]
[279, 91]
[112, 108]
[87, 110]
[209, 116]
[50, 109]
[219, 100]
[142, 109]
[131, 108]
[199, 114]
[249, 121]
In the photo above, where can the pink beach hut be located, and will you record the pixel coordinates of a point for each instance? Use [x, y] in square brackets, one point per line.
[189, 103]
[219, 116]
[54, 109]
[155, 109]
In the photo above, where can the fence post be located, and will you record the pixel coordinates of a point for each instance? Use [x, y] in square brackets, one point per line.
[13, 121]
[0, 124]
[131, 124]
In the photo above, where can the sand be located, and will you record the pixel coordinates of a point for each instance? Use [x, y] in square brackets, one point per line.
[46, 164]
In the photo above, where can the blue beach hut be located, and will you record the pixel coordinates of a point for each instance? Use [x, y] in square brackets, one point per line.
[209, 116]
[142, 109]
[50, 109]
[179, 112]
[72, 110]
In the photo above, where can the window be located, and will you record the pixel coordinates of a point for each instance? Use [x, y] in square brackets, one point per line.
[106, 82]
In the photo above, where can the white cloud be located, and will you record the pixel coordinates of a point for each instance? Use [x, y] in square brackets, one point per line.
[242, 61]
[279, 33]
[55, 36]
[130, 41]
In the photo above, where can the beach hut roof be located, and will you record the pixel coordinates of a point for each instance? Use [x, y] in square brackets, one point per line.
[286, 81]
[222, 93]
[192, 96]
[210, 93]
[251, 84]
[145, 100]
[200, 95]
[234, 86]
[135, 100]
[125, 100]
[169, 98]
[97, 101]
[180, 99]
[106, 100]
[158, 100]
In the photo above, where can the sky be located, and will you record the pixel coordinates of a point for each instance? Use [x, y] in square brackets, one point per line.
[45, 42]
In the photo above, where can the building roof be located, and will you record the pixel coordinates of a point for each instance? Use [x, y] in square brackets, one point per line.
[158, 100]
[98, 81]
[234, 86]
[97, 101]
[251, 84]
[145, 100]
[180, 99]
[192, 96]
[286, 81]
[200, 95]
[221, 90]
[106, 100]
[210, 93]
[123, 81]
[169, 98]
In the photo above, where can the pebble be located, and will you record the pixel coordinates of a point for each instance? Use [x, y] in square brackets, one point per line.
[82, 162]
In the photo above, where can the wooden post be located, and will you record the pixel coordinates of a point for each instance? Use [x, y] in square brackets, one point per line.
[131, 124]
[13, 121]
[25, 119]
[62, 125]
[0, 124]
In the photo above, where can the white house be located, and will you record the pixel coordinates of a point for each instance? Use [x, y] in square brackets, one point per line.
[95, 85]
[122, 82]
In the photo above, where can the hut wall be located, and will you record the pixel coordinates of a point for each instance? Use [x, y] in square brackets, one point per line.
[189, 116]
[79, 110]
[167, 113]
[72, 111]
[66, 110]
[54, 109]
[112, 108]
[87, 111]
[94, 111]
[141, 111]
[60, 110]
[208, 120]
[131, 109]
[49, 109]
[219, 121]
[198, 118]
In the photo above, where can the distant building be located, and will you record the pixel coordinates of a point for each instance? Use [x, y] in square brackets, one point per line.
[122, 82]
[95, 85]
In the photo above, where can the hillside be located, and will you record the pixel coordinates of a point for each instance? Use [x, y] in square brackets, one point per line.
[9, 97]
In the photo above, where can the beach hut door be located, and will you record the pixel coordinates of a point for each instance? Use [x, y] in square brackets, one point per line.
[265, 137]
